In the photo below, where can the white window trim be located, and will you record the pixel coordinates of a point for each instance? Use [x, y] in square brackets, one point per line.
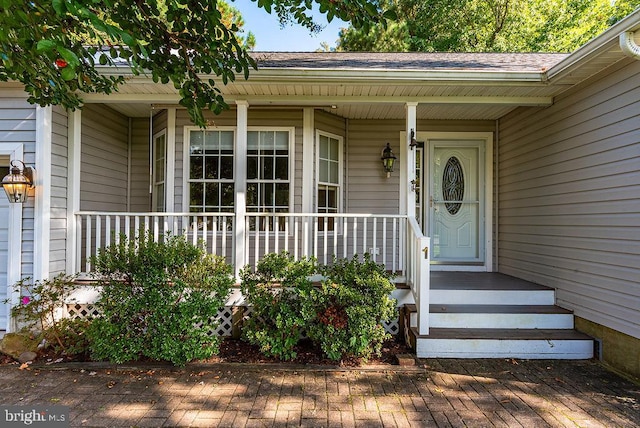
[15, 151]
[154, 196]
[292, 158]
[186, 158]
[340, 168]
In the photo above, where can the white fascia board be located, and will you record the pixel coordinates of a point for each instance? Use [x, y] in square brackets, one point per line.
[328, 100]
[130, 98]
[297, 100]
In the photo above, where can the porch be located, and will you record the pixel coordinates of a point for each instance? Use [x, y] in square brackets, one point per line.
[442, 314]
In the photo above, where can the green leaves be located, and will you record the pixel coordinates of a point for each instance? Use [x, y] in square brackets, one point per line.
[342, 316]
[45, 46]
[276, 291]
[195, 45]
[159, 300]
[485, 25]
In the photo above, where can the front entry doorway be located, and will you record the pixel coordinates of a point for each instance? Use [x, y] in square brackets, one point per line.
[454, 207]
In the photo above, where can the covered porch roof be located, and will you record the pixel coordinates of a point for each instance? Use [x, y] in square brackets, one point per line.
[367, 85]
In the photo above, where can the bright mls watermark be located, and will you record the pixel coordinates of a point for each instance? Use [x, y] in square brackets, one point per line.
[34, 416]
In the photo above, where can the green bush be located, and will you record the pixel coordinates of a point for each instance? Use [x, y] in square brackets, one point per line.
[348, 308]
[40, 310]
[158, 300]
[276, 291]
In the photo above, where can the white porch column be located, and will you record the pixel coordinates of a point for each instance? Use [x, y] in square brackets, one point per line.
[42, 220]
[307, 160]
[410, 167]
[73, 187]
[240, 179]
[170, 171]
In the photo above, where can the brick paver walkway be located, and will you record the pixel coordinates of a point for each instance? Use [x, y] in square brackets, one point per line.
[446, 393]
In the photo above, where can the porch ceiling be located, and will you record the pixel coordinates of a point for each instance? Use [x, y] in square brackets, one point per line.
[359, 98]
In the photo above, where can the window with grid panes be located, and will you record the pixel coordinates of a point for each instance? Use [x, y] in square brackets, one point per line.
[211, 187]
[268, 176]
[329, 170]
[159, 169]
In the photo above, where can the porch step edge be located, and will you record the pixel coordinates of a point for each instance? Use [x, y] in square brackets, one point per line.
[504, 343]
[492, 297]
[502, 334]
[497, 309]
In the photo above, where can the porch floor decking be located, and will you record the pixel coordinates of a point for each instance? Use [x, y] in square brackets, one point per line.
[443, 280]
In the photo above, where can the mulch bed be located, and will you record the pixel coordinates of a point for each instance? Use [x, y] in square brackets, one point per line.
[239, 351]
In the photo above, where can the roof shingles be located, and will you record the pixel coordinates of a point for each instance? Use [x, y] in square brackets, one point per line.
[499, 62]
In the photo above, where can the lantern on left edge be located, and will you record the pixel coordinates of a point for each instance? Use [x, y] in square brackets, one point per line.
[18, 182]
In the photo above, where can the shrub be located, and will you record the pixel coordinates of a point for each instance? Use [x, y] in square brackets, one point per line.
[159, 300]
[347, 309]
[276, 292]
[40, 310]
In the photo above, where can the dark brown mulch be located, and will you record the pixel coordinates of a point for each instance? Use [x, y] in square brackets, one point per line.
[239, 351]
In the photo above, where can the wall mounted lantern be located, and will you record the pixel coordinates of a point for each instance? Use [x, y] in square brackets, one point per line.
[18, 182]
[388, 159]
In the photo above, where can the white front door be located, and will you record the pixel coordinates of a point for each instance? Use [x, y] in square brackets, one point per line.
[456, 202]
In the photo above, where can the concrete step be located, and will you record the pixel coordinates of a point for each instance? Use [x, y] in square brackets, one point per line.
[500, 316]
[503, 343]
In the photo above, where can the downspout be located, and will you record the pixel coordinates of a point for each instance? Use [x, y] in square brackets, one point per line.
[628, 45]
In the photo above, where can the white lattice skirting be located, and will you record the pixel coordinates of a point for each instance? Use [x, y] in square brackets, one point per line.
[224, 318]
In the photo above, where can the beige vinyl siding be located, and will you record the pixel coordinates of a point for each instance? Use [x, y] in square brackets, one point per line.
[18, 125]
[139, 196]
[368, 189]
[330, 123]
[103, 180]
[569, 200]
[58, 227]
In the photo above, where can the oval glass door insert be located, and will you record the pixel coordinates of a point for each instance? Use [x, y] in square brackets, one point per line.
[453, 185]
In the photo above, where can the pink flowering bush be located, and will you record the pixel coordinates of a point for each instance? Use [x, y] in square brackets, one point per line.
[40, 309]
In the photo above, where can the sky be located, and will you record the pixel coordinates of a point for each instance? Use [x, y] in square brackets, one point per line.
[293, 38]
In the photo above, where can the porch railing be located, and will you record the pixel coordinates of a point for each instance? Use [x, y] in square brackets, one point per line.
[97, 230]
[418, 272]
[301, 234]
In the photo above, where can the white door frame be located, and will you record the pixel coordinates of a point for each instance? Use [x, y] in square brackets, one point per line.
[486, 144]
[15, 151]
